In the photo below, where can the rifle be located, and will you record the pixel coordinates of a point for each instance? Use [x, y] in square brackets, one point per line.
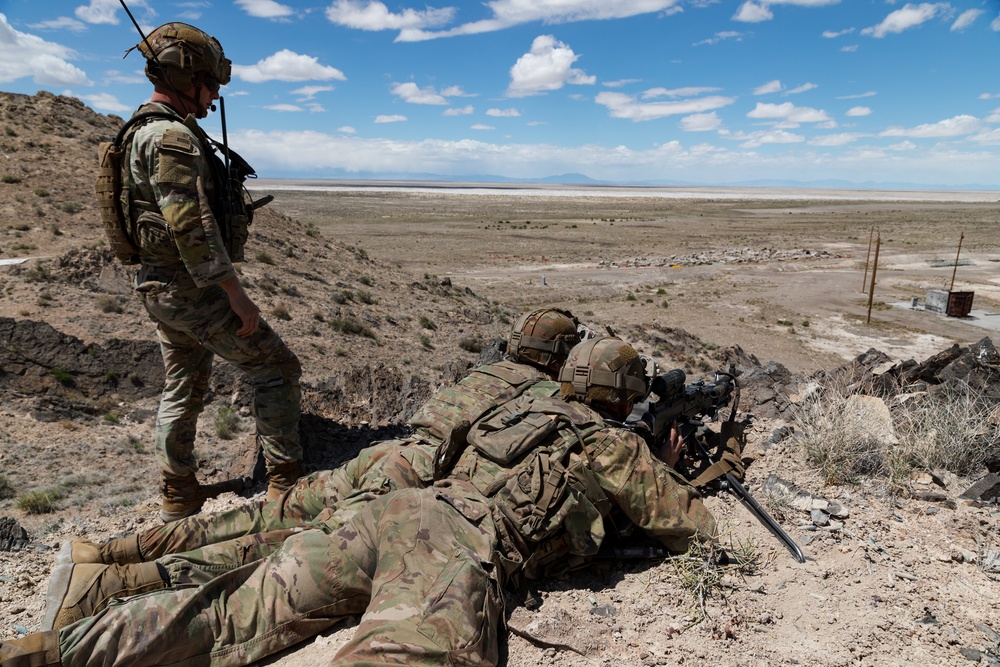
[689, 406]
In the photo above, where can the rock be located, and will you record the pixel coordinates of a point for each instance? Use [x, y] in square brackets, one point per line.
[820, 518]
[12, 536]
[837, 510]
[985, 490]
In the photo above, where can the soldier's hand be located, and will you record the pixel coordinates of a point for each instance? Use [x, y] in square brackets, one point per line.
[673, 446]
[243, 306]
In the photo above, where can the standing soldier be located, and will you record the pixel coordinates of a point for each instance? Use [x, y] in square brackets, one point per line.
[187, 231]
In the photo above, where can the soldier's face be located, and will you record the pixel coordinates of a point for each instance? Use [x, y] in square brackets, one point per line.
[206, 96]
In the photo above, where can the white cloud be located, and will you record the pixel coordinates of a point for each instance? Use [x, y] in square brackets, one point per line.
[480, 126]
[833, 34]
[114, 76]
[801, 89]
[548, 66]
[104, 102]
[287, 65]
[508, 13]
[950, 127]
[346, 129]
[869, 93]
[769, 87]
[61, 23]
[620, 83]
[833, 140]
[760, 138]
[376, 16]
[721, 37]
[625, 106]
[284, 107]
[396, 118]
[989, 96]
[413, 94]
[859, 111]
[23, 55]
[307, 93]
[293, 153]
[993, 117]
[99, 11]
[966, 18]
[689, 91]
[851, 48]
[265, 9]
[788, 112]
[903, 146]
[995, 24]
[459, 111]
[455, 91]
[910, 16]
[701, 122]
[751, 12]
[503, 113]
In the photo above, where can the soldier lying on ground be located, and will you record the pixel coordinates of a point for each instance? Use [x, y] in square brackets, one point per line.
[536, 349]
[527, 496]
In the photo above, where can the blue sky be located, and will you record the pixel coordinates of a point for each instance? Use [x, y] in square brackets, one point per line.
[690, 91]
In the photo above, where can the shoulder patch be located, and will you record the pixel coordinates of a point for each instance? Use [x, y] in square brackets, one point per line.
[180, 142]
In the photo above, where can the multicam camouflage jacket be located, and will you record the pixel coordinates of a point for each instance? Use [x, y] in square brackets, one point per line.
[169, 185]
[482, 390]
[555, 472]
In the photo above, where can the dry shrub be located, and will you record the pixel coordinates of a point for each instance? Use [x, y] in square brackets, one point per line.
[849, 434]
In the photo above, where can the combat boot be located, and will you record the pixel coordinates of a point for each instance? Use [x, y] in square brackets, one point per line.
[120, 550]
[39, 649]
[184, 496]
[78, 591]
[281, 477]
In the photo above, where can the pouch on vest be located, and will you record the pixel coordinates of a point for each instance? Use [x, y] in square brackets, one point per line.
[108, 188]
[518, 426]
[542, 498]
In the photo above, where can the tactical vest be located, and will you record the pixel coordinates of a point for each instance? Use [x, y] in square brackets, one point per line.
[120, 213]
[468, 400]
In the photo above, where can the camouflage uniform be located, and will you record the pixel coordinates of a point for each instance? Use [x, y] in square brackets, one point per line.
[383, 467]
[424, 566]
[183, 260]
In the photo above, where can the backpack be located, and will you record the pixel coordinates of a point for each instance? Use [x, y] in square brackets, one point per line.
[539, 495]
[231, 212]
[121, 235]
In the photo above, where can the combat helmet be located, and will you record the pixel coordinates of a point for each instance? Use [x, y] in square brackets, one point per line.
[603, 370]
[543, 337]
[182, 56]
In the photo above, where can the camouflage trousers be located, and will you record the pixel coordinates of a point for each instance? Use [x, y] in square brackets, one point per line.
[416, 563]
[376, 470]
[193, 325]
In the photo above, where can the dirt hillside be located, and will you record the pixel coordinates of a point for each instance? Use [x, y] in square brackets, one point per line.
[903, 574]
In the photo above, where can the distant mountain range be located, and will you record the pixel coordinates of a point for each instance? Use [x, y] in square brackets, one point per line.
[583, 179]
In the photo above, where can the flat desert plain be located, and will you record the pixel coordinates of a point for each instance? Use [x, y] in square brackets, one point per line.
[785, 274]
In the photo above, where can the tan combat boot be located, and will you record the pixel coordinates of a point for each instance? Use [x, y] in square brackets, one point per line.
[39, 649]
[120, 550]
[77, 591]
[184, 496]
[281, 477]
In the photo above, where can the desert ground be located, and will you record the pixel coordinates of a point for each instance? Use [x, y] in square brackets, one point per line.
[389, 291]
